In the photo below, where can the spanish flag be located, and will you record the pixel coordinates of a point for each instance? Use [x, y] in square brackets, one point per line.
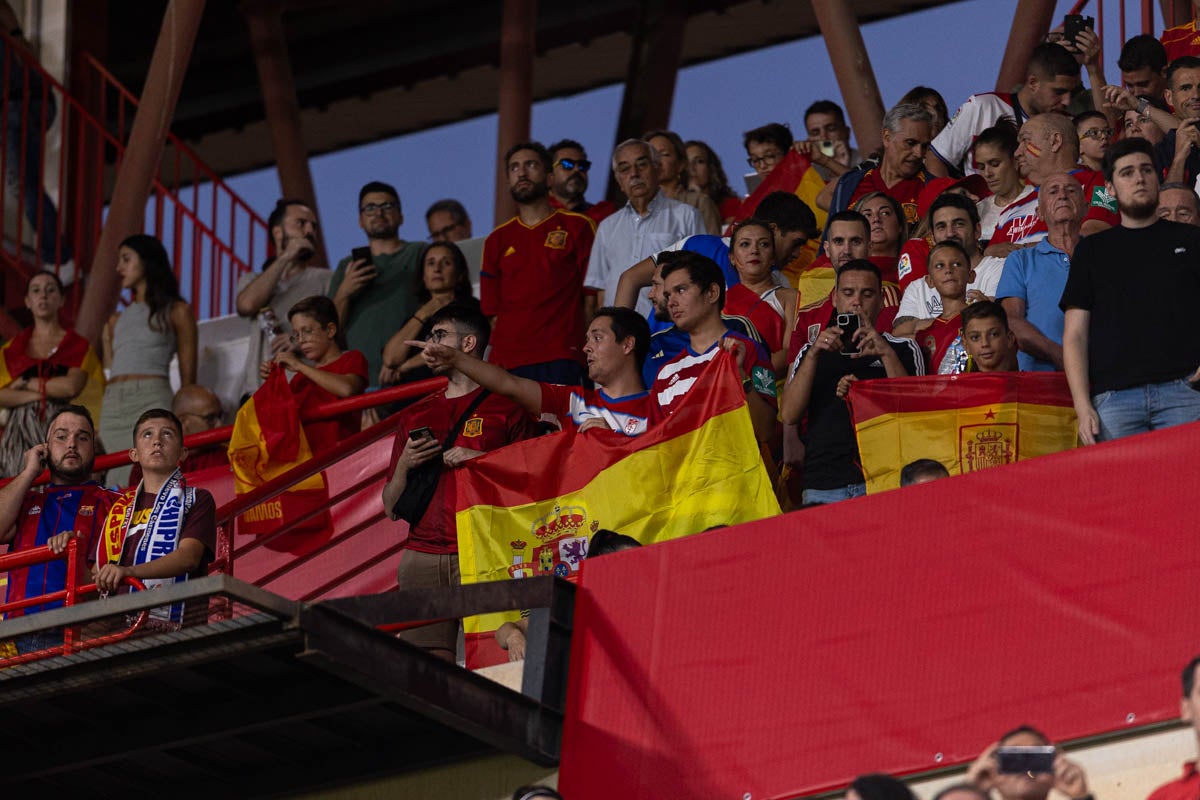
[72, 351]
[795, 174]
[967, 422]
[531, 508]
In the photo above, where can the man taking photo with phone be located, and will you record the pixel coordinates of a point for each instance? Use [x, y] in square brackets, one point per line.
[1024, 765]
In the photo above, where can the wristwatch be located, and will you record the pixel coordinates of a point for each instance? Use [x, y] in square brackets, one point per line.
[747, 384]
[1143, 105]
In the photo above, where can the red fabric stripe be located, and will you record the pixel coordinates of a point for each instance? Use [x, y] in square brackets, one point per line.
[785, 177]
[870, 399]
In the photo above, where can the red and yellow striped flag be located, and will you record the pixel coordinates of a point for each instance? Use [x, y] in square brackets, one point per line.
[795, 174]
[967, 422]
[530, 508]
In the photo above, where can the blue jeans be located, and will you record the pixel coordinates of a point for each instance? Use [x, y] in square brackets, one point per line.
[823, 496]
[1124, 412]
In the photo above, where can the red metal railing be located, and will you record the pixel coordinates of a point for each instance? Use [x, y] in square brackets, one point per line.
[50, 135]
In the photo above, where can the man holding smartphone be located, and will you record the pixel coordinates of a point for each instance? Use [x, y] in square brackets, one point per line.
[1025, 765]
[71, 506]
[451, 426]
[820, 378]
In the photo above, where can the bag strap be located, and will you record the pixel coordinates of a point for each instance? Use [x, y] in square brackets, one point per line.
[462, 420]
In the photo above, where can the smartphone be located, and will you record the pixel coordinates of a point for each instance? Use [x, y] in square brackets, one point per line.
[361, 254]
[1025, 760]
[1074, 23]
[420, 433]
[849, 325]
[827, 148]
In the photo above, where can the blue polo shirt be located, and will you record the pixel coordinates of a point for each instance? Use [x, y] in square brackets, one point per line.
[1038, 276]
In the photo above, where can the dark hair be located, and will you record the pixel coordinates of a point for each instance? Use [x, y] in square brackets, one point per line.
[771, 133]
[1025, 729]
[564, 144]
[72, 408]
[824, 107]
[718, 182]
[748, 222]
[1143, 50]
[158, 413]
[1002, 135]
[947, 244]
[897, 209]
[378, 187]
[788, 212]
[1049, 60]
[984, 309]
[605, 541]
[1189, 673]
[532, 792]
[1161, 189]
[322, 309]
[626, 322]
[701, 270]
[462, 273]
[275, 219]
[470, 318]
[919, 93]
[859, 265]
[850, 215]
[680, 149]
[963, 787]
[452, 207]
[954, 200]
[881, 787]
[162, 288]
[57, 280]
[1084, 116]
[537, 147]
[1126, 147]
[1183, 62]
[922, 467]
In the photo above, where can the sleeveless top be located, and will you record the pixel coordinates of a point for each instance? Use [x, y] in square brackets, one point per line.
[138, 350]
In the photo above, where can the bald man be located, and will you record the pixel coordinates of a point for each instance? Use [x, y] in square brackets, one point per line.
[199, 410]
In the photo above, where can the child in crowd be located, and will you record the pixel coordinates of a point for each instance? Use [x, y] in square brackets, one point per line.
[941, 337]
[990, 344]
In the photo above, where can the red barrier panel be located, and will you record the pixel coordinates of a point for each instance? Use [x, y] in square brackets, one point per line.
[896, 633]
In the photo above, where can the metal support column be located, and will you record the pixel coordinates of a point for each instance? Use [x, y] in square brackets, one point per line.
[852, 68]
[1031, 22]
[518, 27]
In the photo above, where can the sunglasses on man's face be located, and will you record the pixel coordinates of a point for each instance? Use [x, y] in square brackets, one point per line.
[569, 164]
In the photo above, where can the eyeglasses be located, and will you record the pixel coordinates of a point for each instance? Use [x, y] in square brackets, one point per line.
[213, 419]
[438, 334]
[764, 160]
[371, 209]
[581, 164]
[305, 334]
[443, 234]
[1097, 133]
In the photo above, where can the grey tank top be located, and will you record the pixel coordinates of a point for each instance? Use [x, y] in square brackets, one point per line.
[137, 350]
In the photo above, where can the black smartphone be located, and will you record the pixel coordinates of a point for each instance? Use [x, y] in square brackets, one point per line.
[849, 325]
[420, 433]
[361, 254]
[1074, 23]
[1025, 760]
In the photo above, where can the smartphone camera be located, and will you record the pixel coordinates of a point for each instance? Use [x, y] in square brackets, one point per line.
[1074, 23]
[849, 325]
[1033, 760]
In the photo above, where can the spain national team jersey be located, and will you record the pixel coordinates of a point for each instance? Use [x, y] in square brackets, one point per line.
[1182, 40]
[1020, 224]
[531, 281]
[628, 415]
[677, 376]
[903, 192]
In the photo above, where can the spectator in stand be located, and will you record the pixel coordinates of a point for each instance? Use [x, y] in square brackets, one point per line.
[531, 285]
[771, 307]
[1048, 144]
[1034, 277]
[1178, 203]
[1141, 126]
[1179, 151]
[569, 181]
[42, 369]
[1143, 65]
[430, 559]
[987, 338]
[139, 342]
[828, 143]
[695, 291]
[878, 787]
[900, 173]
[444, 279]
[1187, 786]
[1053, 77]
[942, 337]
[1095, 135]
[198, 410]
[962, 791]
[1068, 777]
[616, 345]
[889, 227]
[647, 223]
[820, 379]
[995, 159]
[707, 175]
[448, 221]
[51, 515]
[286, 279]
[1120, 383]
[323, 372]
[673, 177]
[932, 101]
[923, 470]
[147, 536]
[1183, 40]
[373, 295]
[766, 146]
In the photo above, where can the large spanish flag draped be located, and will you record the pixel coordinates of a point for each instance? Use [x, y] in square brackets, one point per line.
[795, 174]
[531, 507]
[967, 422]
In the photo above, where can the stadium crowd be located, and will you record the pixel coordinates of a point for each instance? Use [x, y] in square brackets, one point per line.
[994, 239]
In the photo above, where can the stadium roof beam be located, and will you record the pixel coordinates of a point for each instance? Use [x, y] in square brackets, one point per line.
[1031, 21]
[518, 29]
[852, 68]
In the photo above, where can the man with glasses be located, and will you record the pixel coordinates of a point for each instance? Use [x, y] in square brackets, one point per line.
[531, 279]
[430, 559]
[569, 181]
[373, 295]
[286, 278]
[448, 221]
[766, 146]
[646, 225]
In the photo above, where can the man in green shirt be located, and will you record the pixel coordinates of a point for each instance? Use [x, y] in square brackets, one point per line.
[374, 297]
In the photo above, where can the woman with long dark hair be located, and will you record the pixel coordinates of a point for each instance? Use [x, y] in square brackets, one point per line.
[707, 175]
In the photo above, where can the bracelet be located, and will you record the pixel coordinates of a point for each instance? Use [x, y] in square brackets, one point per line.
[747, 383]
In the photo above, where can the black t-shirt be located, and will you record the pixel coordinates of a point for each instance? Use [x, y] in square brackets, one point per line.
[831, 458]
[1141, 286]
